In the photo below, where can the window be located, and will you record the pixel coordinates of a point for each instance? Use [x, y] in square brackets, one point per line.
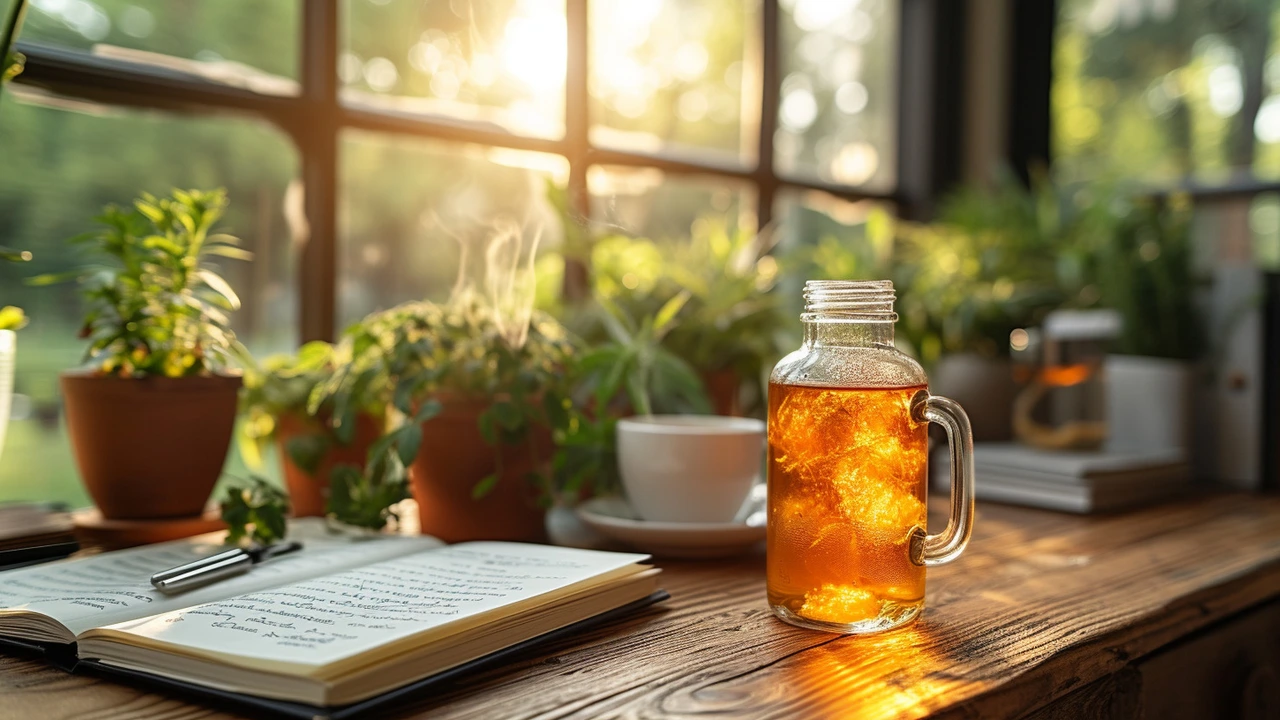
[1176, 94]
[360, 138]
[1167, 90]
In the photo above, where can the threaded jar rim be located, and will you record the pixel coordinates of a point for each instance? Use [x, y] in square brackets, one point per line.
[853, 301]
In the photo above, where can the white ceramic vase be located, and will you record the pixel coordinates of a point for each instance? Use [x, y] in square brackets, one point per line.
[1148, 403]
[8, 351]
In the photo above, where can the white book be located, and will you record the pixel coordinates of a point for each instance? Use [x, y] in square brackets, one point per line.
[1075, 482]
[1072, 463]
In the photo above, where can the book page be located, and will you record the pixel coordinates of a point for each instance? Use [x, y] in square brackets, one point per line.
[325, 619]
[112, 587]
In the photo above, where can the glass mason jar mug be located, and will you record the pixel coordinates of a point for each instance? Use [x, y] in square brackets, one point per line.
[848, 468]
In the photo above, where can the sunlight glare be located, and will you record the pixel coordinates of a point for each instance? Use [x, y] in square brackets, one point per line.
[534, 44]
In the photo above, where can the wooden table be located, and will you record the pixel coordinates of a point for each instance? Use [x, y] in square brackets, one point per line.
[1171, 611]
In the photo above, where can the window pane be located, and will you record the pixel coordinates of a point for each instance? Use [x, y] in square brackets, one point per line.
[676, 73]
[56, 180]
[1264, 226]
[407, 204]
[650, 203]
[1162, 90]
[811, 218]
[823, 237]
[240, 42]
[837, 107]
[497, 61]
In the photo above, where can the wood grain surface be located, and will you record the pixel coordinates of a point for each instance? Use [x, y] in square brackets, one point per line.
[1042, 606]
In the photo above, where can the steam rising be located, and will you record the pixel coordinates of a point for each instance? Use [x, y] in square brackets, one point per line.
[499, 275]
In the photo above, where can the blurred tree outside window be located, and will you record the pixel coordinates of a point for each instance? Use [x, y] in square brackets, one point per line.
[1172, 92]
[495, 61]
[680, 74]
[838, 105]
[239, 42]
[1164, 90]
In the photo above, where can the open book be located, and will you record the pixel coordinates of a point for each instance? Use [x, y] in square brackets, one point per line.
[338, 623]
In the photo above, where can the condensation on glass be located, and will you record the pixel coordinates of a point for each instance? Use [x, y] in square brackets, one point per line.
[848, 469]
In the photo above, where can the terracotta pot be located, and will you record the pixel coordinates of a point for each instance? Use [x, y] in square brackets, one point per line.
[453, 458]
[309, 493]
[149, 447]
[724, 389]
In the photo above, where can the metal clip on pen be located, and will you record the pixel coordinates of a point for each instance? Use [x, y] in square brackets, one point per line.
[217, 567]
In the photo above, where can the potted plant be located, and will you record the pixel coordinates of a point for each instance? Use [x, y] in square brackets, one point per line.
[630, 372]
[730, 321]
[996, 259]
[151, 416]
[273, 407]
[473, 395]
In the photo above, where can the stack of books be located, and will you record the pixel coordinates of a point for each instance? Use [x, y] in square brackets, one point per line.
[1071, 480]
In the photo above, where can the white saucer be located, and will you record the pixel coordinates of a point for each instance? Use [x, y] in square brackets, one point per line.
[614, 518]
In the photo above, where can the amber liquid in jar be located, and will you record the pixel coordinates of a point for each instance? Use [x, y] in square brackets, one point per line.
[847, 483]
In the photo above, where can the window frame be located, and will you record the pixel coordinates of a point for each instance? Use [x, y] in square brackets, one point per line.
[315, 118]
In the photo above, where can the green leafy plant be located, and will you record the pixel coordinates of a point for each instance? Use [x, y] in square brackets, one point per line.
[730, 320]
[995, 260]
[1001, 258]
[254, 511]
[413, 355]
[626, 372]
[367, 497]
[11, 317]
[282, 385]
[161, 307]
[635, 361]
[1145, 273]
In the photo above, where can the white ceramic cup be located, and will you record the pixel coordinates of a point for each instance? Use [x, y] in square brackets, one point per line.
[689, 468]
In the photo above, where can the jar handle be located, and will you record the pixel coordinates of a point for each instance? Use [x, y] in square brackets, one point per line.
[942, 548]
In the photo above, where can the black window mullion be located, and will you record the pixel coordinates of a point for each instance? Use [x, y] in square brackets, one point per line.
[317, 138]
[1030, 81]
[770, 77]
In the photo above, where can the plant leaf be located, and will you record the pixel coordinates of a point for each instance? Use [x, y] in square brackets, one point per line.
[227, 251]
[220, 286]
[662, 321]
[484, 487]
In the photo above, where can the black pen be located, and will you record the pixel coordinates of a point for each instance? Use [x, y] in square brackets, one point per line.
[217, 567]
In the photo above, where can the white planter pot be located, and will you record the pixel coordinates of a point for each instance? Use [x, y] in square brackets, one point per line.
[8, 352]
[984, 387]
[1148, 403]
